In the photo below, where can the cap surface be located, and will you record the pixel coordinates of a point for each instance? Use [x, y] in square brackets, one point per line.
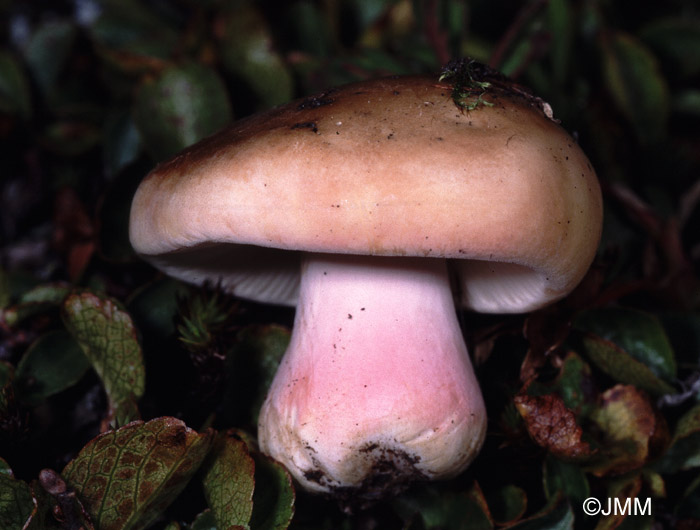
[384, 167]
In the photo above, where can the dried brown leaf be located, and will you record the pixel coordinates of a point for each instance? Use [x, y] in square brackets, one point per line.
[552, 425]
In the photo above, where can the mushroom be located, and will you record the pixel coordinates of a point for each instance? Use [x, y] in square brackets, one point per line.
[375, 208]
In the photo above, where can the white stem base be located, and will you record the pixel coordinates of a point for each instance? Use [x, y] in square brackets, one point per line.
[376, 387]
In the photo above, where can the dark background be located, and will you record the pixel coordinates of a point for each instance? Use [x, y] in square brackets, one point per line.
[94, 93]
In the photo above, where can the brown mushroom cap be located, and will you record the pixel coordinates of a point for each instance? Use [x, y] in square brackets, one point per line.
[388, 167]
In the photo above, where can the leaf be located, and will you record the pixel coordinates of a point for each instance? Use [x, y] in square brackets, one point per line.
[555, 515]
[312, 33]
[154, 307]
[574, 384]
[677, 41]
[552, 426]
[564, 478]
[5, 468]
[229, 483]
[35, 301]
[57, 505]
[654, 483]
[684, 450]
[127, 477]
[689, 505]
[621, 366]
[623, 490]
[507, 504]
[560, 24]
[7, 390]
[633, 78]
[251, 365]
[47, 51]
[204, 521]
[15, 96]
[71, 137]
[16, 503]
[445, 510]
[247, 51]
[127, 29]
[182, 105]
[627, 422]
[108, 338]
[639, 334]
[52, 363]
[274, 497]
[687, 102]
[122, 141]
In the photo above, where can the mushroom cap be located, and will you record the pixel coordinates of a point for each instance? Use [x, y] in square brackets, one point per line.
[387, 167]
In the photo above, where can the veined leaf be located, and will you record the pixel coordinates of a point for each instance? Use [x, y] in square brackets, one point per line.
[127, 477]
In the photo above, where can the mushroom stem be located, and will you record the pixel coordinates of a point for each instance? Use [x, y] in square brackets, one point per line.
[376, 388]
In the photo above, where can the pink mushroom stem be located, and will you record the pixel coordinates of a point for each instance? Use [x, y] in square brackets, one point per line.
[376, 388]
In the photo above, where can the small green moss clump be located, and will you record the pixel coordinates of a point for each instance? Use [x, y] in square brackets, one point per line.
[469, 82]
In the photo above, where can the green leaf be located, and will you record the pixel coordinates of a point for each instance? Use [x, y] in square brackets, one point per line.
[621, 366]
[35, 301]
[48, 50]
[15, 95]
[566, 479]
[251, 365]
[52, 363]
[677, 42]
[229, 483]
[687, 102]
[560, 25]
[507, 504]
[570, 384]
[179, 107]
[71, 137]
[310, 29]
[622, 491]
[122, 141]
[247, 51]
[204, 521]
[16, 503]
[5, 468]
[274, 497]
[445, 510]
[689, 505]
[107, 336]
[555, 515]
[154, 307]
[684, 450]
[639, 334]
[633, 78]
[130, 27]
[127, 477]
